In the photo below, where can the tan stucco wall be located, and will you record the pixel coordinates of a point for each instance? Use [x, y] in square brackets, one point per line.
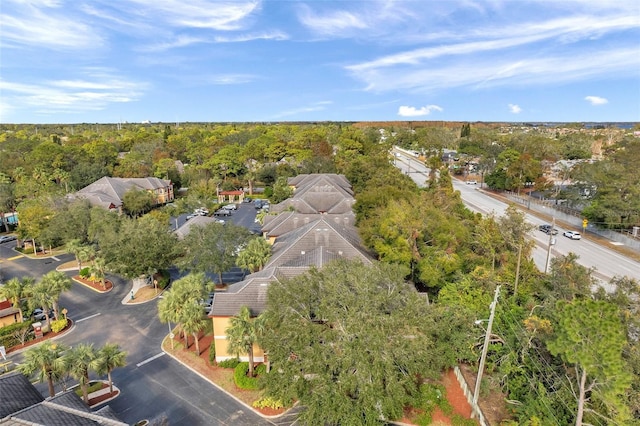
[220, 325]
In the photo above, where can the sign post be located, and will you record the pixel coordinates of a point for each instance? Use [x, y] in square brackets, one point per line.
[585, 222]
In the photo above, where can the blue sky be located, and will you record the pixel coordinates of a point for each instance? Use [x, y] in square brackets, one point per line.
[106, 61]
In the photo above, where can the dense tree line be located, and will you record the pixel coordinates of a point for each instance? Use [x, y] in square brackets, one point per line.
[426, 236]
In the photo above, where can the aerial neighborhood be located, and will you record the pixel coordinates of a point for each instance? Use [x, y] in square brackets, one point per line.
[319, 273]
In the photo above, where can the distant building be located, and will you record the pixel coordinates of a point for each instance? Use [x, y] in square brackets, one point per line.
[107, 192]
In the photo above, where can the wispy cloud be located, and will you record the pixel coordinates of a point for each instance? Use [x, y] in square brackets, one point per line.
[42, 24]
[409, 111]
[596, 100]
[226, 79]
[317, 106]
[495, 71]
[515, 109]
[331, 23]
[216, 15]
[95, 91]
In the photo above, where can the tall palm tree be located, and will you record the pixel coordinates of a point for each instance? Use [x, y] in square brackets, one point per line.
[77, 362]
[243, 332]
[193, 321]
[109, 357]
[42, 361]
[255, 255]
[190, 288]
[40, 297]
[57, 282]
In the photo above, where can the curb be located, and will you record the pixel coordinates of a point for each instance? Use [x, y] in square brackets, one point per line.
[17, 351]
[90, 287]
[222, 389]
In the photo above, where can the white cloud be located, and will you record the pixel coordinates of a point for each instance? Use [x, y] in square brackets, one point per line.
[95, 91]
[218, 15]
[409, 111]
[332, 22]
[47, 28]
[596, 100]
[317, 106]
[501, 71]
[515, 109]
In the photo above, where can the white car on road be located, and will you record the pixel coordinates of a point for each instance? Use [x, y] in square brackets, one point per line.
[572, 234]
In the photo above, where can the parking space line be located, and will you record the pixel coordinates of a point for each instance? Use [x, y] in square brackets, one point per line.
[89, 317]
[141, 363]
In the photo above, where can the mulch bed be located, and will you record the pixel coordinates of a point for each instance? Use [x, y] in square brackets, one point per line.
[96, 285]
[106, 396]
[37, 340]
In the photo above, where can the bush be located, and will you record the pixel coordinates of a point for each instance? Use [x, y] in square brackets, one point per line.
[212, 352]
[163, 279]
[268, 402]
[10, 334]
[59, 325]
[245, 382]
[230, 363]
[85, 273]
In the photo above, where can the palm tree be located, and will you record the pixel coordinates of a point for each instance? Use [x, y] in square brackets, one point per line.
[57, 283]
[40, 297]
[98, 268]
[243, 332]
[171, 308]
[109, 357]
[77, 362]
[42, 361]
[74, 246]
[13, 290]
[193, 321]
[255, 255]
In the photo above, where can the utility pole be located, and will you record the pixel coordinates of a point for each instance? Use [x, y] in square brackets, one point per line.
[485, 347]
[546, 263]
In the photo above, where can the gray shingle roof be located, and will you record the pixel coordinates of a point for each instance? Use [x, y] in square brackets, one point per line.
[108, 191]
[22, 404]
[287, 221]
[182, 231]
[16, 393]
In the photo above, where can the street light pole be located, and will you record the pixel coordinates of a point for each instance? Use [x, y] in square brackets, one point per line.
[546, 263]
[485, 347]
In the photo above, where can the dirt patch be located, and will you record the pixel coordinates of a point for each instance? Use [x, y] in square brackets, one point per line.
[493, 405]
[145, 294]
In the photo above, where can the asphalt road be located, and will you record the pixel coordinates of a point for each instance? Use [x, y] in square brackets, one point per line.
[607, 263]
[152, 384]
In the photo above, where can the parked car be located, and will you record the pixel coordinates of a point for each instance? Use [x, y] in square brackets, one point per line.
[472, 182]
[201, 212]
[572, 234]
[548, 229]
[257, 204]
[230, 207]
[38, 314]
[7, 238]
[222, 212]
[247, 199]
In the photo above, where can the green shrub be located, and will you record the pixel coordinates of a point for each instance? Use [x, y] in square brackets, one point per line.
[245, 382]
[458, 420]
[230, 363]
[59, 325]
[163, 279]
[10, 335]
[268, 402]
[85, 273]
[212, 352]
